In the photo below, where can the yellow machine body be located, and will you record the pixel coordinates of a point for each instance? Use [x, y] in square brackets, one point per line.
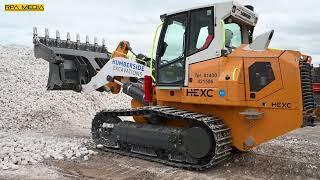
[210, 92]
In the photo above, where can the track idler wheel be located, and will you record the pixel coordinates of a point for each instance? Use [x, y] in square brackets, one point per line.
[197, 142]
[101, 128]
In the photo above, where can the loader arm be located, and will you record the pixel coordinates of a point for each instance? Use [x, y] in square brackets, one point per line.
[85, 67]
[73, 64]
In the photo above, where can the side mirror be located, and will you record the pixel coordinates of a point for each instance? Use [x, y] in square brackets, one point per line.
[260, 43]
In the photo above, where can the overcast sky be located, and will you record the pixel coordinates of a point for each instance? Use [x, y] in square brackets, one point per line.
[296, 23]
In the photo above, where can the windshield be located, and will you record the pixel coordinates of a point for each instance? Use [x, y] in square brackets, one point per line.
[174, 40]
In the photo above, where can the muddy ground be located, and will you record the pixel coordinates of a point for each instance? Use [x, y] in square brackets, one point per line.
[294, 156]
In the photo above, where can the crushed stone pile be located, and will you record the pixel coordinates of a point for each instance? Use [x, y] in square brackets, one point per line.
[20, 149]
[26, 107]
[26, 104]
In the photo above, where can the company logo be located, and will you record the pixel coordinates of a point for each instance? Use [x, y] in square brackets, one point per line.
[200, 92]
[24, 7]
[283, 105]
[222, 93]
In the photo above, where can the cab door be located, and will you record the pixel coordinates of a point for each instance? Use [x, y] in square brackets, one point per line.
[171, 51]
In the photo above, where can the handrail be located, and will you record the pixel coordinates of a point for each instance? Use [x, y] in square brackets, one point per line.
[223, 34]
[152, 51]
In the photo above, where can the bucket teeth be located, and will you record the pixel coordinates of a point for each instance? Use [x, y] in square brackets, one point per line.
[104, 45]
[78, 38]
[95, 41]
[87, 39]
[68, 36]
[35, 32]
[35, 36]
[78, 41]
[103, 42]
[68, 44]
[46, 36]
[57, 34]
[46, 33]
[58, 41]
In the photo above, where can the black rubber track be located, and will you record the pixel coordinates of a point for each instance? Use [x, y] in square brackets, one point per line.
[220, 133]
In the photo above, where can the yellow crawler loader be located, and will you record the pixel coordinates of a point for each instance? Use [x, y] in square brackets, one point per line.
[211, 87]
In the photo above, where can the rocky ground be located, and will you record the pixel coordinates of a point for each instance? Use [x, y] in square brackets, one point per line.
[46, 135]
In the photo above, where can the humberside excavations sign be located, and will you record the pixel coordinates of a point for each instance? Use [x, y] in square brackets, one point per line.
[24, 7]
[116, 67]
[128, 68]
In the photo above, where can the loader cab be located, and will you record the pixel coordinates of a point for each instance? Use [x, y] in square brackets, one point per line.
[196, 35]
[182, 35]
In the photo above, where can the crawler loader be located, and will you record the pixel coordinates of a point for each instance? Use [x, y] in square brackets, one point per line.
[209, 89]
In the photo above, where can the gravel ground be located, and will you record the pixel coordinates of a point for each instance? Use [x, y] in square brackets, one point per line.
[36, 124]
[46, 135]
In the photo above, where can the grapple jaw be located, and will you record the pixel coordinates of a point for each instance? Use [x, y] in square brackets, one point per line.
[71, 63]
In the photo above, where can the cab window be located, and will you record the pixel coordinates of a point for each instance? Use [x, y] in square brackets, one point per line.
[233, 38]
[174, 40]
[260, 75]
[202, 37]
[201, 30]
[172, 51]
